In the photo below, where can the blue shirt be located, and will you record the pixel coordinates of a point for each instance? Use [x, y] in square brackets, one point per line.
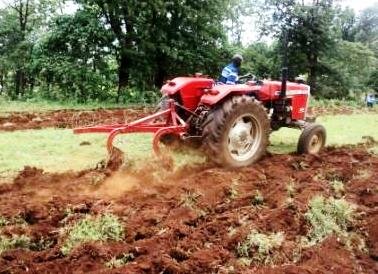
[370, 98]
[229, 75]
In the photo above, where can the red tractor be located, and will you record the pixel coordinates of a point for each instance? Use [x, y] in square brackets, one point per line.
[231, 122]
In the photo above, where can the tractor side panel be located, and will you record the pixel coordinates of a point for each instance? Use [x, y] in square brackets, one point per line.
[300, 95]
[191, 95]
[220, 92]
[299, 106]
[190, 89]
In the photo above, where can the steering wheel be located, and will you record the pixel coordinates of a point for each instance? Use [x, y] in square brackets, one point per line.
[247, 77]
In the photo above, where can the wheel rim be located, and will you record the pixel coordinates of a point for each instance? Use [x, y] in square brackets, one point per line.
[244, 137]
[315, 144]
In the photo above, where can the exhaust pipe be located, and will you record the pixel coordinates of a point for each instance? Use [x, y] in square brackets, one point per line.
[285, 70]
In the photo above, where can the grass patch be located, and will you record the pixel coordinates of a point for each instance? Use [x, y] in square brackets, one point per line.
[290, 188]
[337, 187]
[103, 228]
[327, 217]
[121, 261]
[232, 192]
[15, 241]
[60, 150]
[341, 130]
[259, 248]
[258, 198]
[3, 221]
[374, 150]
[189, 199]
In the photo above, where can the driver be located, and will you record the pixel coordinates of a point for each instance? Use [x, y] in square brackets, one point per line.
[230, 73]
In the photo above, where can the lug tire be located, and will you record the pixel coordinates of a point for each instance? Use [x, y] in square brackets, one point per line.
[221, 123]
[312, 139]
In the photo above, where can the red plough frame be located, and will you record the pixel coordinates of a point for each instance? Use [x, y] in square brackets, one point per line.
[173, 125]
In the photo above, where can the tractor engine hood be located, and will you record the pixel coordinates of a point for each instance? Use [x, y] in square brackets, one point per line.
[179, 83]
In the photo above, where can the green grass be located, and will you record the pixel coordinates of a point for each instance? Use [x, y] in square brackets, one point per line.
[341, 130]
[103, 228]
[328, 216]
[121, 261]
[60, 150]
[15, 241]
[259, 247]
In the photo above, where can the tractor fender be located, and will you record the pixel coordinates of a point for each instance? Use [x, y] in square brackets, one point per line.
[220, 92]
[188, 83]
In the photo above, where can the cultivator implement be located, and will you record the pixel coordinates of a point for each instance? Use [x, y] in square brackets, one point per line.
[160, 123]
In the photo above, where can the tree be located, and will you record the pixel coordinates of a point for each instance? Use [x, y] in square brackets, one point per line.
[345, 24]
[260, 59]
[338, 80]
[373, 80]
[238, 12]
[155, 37]
[307, 28]
[368, 25]
[15, 48]
[75, 57]
[20, 22]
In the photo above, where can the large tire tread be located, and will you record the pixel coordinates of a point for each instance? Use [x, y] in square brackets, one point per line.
[217, 122]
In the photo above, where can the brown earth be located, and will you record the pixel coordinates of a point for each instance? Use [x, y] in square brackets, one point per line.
[187, 221]
[75, 118]
[337, 110]
[69, 118]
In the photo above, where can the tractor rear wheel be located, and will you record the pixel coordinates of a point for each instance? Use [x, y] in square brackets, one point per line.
[236, 134]
[312, 139]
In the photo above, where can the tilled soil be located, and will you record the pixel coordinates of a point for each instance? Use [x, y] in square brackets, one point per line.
[69, 118]
[191, 220]
[75, 118]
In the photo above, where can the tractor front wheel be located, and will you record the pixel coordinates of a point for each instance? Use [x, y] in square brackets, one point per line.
[236, 133]
[312, 139]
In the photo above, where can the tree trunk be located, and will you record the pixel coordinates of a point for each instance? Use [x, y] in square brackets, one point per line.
[31, 85]
[312, 75]
[19, 83]
[160, 73]
[2, 82]
[160, 76]
[123, 74]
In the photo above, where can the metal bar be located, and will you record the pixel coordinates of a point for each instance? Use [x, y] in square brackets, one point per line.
[110, 128]
[149, 118]
[101, 129]
[173, 125]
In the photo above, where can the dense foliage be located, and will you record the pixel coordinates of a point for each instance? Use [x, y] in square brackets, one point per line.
[124, 50]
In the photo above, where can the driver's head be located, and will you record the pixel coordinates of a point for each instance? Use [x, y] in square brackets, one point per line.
[300, 79]
[237, 59]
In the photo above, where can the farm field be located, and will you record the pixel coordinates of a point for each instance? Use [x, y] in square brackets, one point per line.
[62, 209]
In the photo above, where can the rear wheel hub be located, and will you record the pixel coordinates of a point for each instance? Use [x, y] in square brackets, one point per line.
[243, 137]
